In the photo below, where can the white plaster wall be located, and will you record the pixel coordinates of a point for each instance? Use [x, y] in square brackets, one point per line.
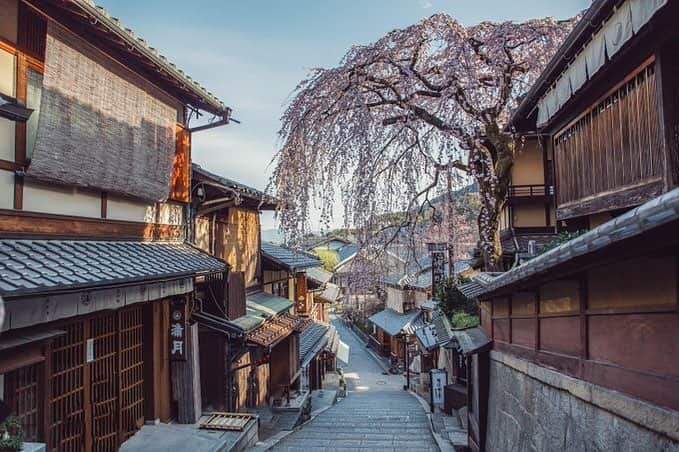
[61, 200]
[7, 72]
[7, 130]
[170, 213]
[6, 190]
[118, 208]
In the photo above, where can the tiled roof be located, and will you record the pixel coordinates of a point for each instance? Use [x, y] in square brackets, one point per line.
[288, 258]
[469, 340]
[318, 275]
[41, 266]
[251, 320]
[541, 241]
[393, 322]
[346, 252]
[99, 15]
[268, 304]
[331, 293]
[273, 330]
[313, 339]
[244, 190]
[436, 333]
[658, 212]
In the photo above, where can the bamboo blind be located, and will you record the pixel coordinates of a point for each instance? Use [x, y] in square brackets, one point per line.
[614, 144]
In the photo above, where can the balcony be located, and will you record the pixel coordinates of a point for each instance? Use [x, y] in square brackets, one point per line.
[530, 194]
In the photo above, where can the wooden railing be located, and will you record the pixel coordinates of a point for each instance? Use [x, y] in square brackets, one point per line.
[521, 191]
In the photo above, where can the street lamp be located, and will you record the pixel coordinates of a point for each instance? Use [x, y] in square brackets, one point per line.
[405, 360]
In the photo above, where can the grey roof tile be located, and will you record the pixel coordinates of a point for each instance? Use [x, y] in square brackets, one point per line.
[393, 322]
[655, 213]
[311, 339]
[30, 267]
[289, 258]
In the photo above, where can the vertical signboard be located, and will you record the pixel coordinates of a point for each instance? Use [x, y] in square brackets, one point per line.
[177, 332]
[301, 294]
[438, 265]
[439, 379]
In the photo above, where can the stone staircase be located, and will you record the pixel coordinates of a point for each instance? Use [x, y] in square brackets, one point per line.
[391, 420]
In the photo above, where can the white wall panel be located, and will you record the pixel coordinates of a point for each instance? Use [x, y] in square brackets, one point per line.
[7, 73]
[61, 200]
[118, 208]
[7, 133]
[6, 190]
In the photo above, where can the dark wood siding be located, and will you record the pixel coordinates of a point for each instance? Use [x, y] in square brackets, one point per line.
[614, 145]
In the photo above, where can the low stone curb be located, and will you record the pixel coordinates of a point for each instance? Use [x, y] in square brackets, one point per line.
[443, 444]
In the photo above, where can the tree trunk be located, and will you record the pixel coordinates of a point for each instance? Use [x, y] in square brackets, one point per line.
[492, 169]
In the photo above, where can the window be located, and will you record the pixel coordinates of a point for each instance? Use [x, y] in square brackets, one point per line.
[8, 66]
[33, 95]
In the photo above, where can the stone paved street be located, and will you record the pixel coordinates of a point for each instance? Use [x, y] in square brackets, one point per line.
[377, 415]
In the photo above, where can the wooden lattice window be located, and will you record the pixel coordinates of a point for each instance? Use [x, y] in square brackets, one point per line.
[67, 404]
[104, 383]
[22, 393]
[131, 356]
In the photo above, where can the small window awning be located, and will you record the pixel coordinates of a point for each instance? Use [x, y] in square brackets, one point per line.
[469, 341]
[273, 330]
[268, 304]
[251, 320]
[12, 109]
[216, 323]
[394, 323]
[14, 339]
[39, 267]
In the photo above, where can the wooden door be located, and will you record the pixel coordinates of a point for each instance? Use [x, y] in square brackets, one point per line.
[131, 363]
[103, 370]
[66, 431]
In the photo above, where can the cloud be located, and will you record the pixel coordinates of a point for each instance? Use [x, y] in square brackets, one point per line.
[425, 4]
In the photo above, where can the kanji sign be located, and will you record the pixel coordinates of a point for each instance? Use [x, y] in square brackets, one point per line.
[438, 271]
[177, 331]
[439, 378]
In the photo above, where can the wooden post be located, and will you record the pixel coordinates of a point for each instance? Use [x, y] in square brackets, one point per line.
[186, 381]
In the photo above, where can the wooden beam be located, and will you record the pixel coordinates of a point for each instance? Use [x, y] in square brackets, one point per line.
[612, 200]
[31, 224]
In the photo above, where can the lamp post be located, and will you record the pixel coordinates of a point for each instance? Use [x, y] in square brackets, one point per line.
[405, 360]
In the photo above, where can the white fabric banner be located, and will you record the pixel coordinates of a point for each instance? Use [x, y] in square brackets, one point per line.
[643, 10]
[618, 29]
[595, 54]
[577, 72]
[563, 91]
[543, 112]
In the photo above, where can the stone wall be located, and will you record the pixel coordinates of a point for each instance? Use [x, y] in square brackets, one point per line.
[537, 409]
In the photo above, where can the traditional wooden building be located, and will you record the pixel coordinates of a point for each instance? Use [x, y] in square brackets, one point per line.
[299, 273]
[585, 335]
[95, 270]
[527, 220]
[252, 329]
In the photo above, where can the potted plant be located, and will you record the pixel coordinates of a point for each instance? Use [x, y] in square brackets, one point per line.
[11, 435]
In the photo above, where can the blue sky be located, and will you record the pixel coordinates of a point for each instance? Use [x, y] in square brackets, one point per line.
[251, 54]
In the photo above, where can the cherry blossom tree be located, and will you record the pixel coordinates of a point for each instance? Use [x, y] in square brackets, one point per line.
[409, 117]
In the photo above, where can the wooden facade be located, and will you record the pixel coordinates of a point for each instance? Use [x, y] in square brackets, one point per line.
[93, 382]
[612, 148]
